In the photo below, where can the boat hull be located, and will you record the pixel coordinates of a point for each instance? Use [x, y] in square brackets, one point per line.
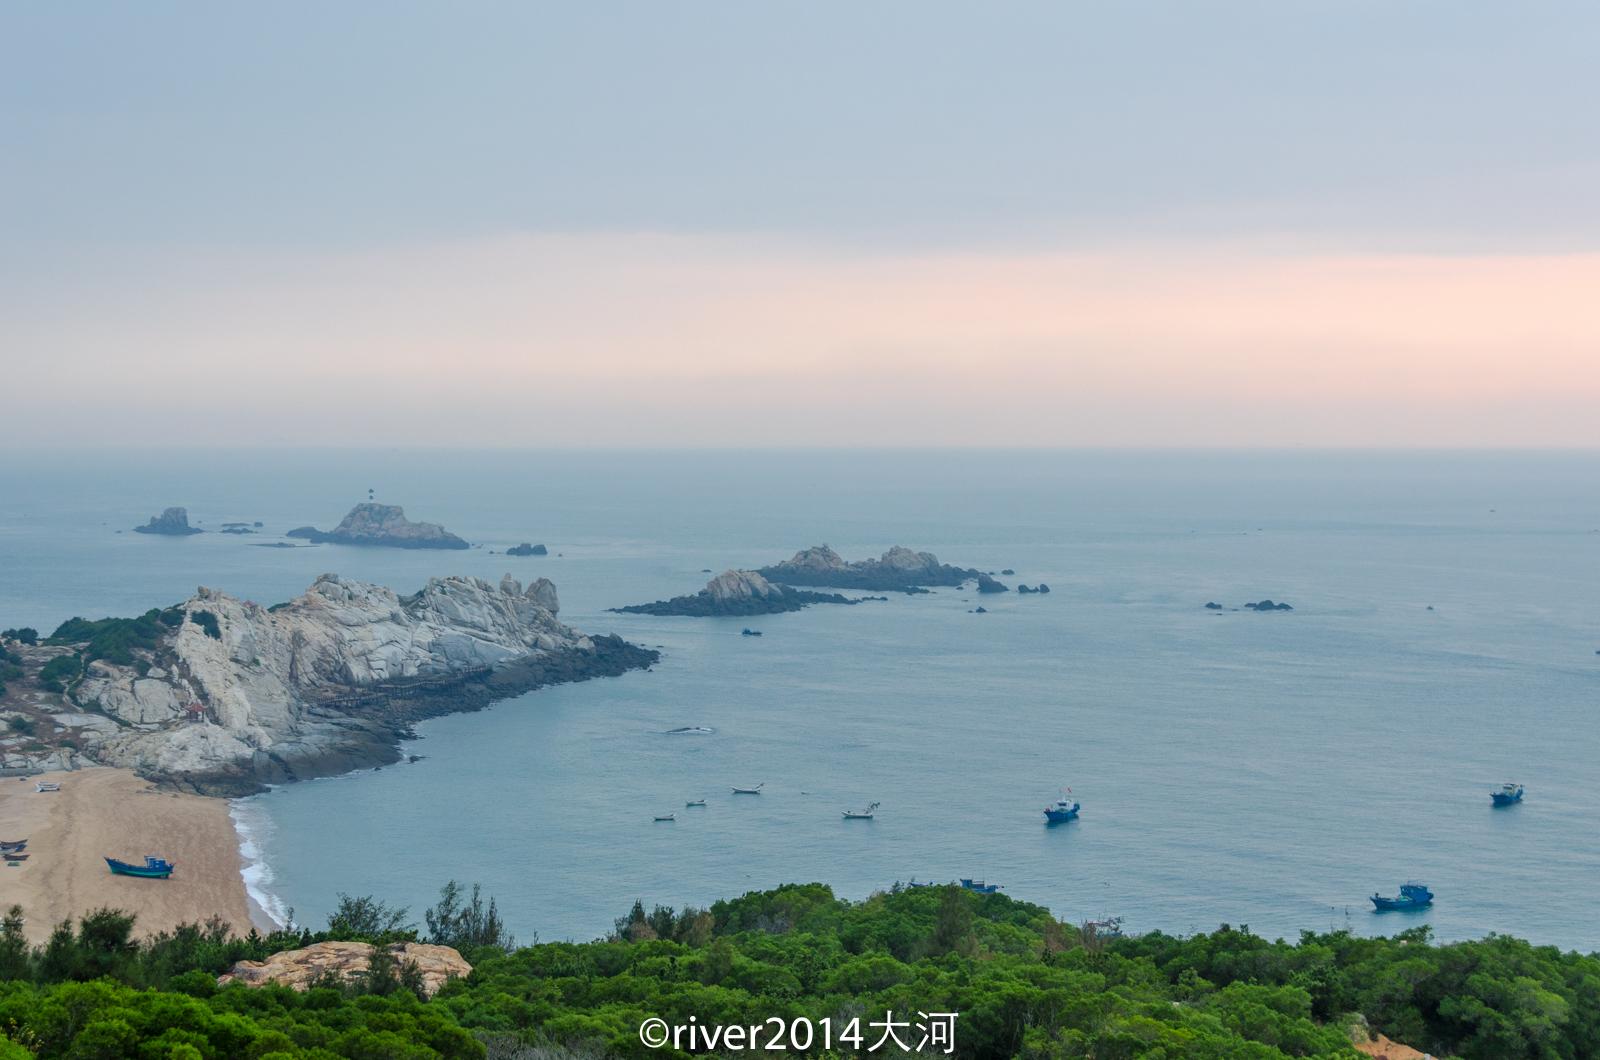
[1505, 800]
[1061, 816]
[144, 872]
[1395, 905]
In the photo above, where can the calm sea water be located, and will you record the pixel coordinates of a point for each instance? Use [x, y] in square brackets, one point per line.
[1267, 769]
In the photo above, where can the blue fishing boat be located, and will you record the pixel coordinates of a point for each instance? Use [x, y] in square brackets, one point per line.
[1062, 810]
[154, 868]
[1508, 795]
[980, 886]
[1412, 896]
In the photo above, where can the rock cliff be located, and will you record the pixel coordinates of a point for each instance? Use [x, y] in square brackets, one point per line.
[298, 969]
[174, 522]
[737, 592]
[237, 694]
[899, 569]
[382, 524]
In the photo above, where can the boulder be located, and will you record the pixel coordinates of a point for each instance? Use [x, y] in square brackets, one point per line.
[298, 969]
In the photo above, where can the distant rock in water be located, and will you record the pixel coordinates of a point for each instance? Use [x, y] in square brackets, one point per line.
[1008, 572]
[748, 632]
[737, 592]
[174, 522]
[1267, 605]
[382, 524]
[526, 549]
[1212, 605]
[987, 584]
[979, 610]
[1027, 589]
[899, 570]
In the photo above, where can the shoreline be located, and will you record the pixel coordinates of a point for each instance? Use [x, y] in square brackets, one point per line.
[101, 811]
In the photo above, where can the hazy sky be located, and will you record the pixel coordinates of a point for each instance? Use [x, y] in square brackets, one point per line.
[1220, 223]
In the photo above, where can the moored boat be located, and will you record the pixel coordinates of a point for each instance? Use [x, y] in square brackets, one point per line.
[694, 802]
[1412, 896]
[154, 868]
[1507, 795]
[979, 886]
[666, 817]
[861, 815]
[750, 791]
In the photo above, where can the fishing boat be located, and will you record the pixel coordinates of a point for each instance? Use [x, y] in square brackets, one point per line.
[1508, 795]
[42, 786]
[666, 817]
[15, 855]
[1062, 810]
[691, 730]
[1412, 896]
[979, 886]
[750, 791]
[692, 803]
[748, 632]
[12, 844]
[154, 868]
[861, 815]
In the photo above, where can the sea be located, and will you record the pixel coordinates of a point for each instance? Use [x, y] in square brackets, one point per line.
[1262, 769]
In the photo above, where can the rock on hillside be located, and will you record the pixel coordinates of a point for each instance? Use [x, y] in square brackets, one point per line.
[174, 522]
[237, 694]
[298, 969]
[382, 524]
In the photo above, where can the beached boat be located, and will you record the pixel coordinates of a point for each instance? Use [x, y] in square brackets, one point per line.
[1062, 810]
[42, 786]
[15, 855]
[12, 844]
[693, 803]
[750, 791]
[1507, 795]
[666, 817]
[1412, 896]
[980, 886]
[861, 815]
[154, 868]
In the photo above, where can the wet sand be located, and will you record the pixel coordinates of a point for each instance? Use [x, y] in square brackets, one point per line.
[100, 812]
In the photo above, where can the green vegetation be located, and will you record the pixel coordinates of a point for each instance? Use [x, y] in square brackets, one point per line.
[116, 639]
[1025, 985]
[23, 634]
[207, 622]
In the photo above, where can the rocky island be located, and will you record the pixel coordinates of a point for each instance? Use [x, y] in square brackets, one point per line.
[221, 696]
[738, 592]
[897, 570]
[382, 524]
[174, 522]
[526, 549]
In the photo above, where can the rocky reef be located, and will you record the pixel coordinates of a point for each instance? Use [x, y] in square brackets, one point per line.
[174, 522]
[526, 549]
[1267, 605]
[1024, 590]
[382, 524]
[738, 592]
[897, 570]
[232, 695]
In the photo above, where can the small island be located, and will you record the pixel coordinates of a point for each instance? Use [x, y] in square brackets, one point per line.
[526, 549]
[897, 570]
[382, 524]
[174, 522]
[738, 592]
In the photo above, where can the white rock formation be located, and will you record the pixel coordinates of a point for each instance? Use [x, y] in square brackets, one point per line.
[740, 585]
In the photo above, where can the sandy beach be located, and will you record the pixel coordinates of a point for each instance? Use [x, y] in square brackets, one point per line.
[101, 812]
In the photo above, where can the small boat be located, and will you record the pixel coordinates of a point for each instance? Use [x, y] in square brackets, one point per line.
[748, 632]
[15, 855]
[750, 791]
[1412, 896]
[1509, 794]
[12, 844]
[861, 815]
[42, 786]
[690, 730]
[154, 868]
[1062, 810]
[692, 803]
[666, 817]
[979, 886]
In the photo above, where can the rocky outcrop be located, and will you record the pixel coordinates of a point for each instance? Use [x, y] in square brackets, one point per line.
[987, 584]
[738, 592]
[1267, 605]
[1024, 590]
[238, 695]
[299, 969]
[174, 522]
[382, 524]
[899, 569]
[526, 549]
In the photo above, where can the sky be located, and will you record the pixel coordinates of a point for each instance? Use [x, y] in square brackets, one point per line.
[1287, 223]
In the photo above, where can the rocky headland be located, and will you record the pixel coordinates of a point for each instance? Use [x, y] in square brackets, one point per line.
[738, 592]
[220, 695]
[174, 522]
[897, 570]
[382, 524]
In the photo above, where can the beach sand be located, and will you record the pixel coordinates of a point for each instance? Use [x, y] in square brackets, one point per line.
[101, 812]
